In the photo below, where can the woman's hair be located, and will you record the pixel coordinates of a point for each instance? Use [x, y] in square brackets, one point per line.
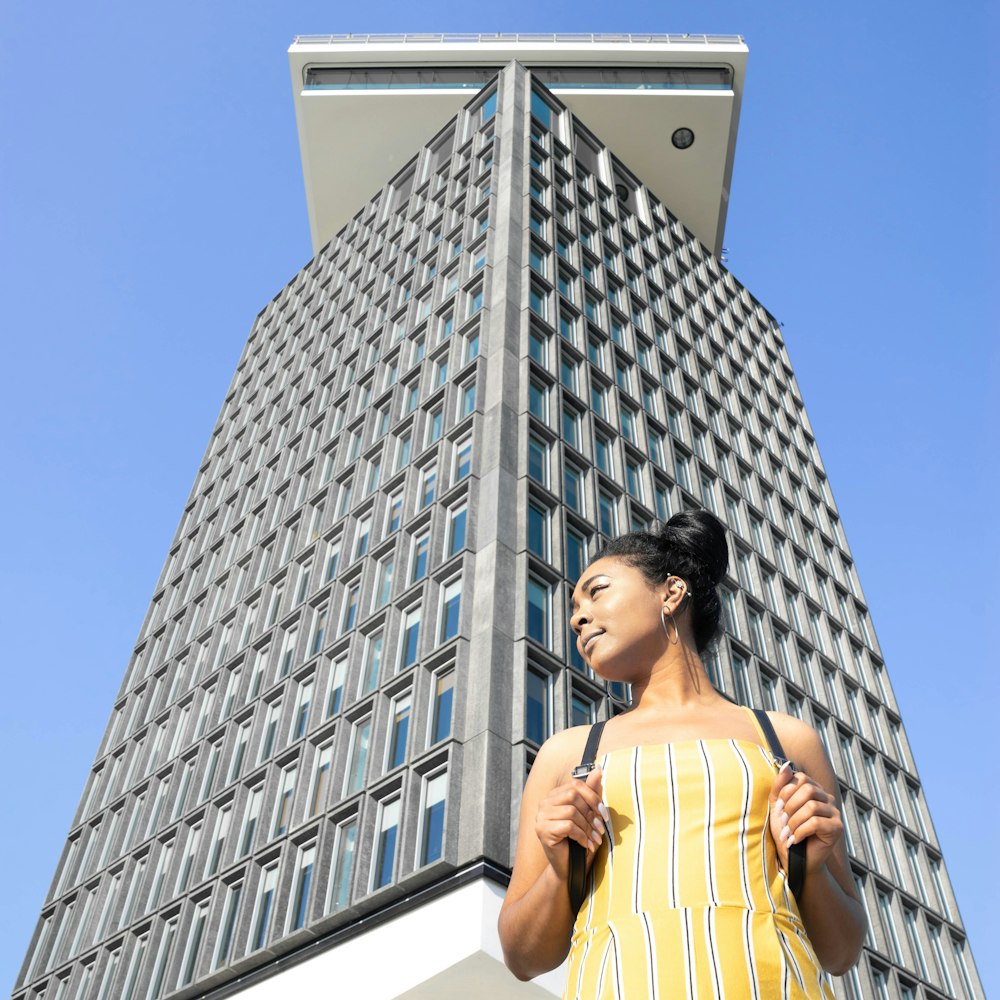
[691, 545]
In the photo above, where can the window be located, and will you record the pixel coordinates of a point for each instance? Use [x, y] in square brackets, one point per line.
[411, 639]
[191, 953]
[444, 690]
[270, 734]
[463, 459]
[537, 259]
[595, 352]
[403, 448]
[540, 109]
[576, 554]
[538, 710]
[573, 488]
[538, 301]
[419, 558]
[602, 454]
[567, 325]
[450, 607]
[468, 402]
[383, 589]
[230, 913]
[321, 780]
[303, 700]
[757, 633]
[538, 400]
[358, 757]
[432, 826]
[571, 427]
[741, 679]
[538, 529]
[299, 914]
[633, 480]
[385, 843]
[411, 398]
[681, 464]
[538, 346]
[283, 804]
[250, 816]
[538, 459]
[489, 107]
[265, 906]
[910, 920]
[662, 498]
[435, 425]
[338, 669]
[428, 487]
[539, 611]
[607, 514]
[568, 374]
[582, 710]
[373, 663]
[599, 399]
[361, 540]
[219, 834]
[343, 866]
[331, 561]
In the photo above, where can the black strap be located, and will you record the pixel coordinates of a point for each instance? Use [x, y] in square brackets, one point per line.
[797, 852]
[577, 853]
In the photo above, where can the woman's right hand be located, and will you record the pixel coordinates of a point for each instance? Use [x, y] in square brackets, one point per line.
[571, 811]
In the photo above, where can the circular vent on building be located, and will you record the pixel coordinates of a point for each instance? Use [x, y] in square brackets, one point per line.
[682, 138]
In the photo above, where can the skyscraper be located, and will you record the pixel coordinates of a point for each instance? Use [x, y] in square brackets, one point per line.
[522, 342]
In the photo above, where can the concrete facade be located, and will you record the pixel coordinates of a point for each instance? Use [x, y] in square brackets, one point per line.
[360, 636]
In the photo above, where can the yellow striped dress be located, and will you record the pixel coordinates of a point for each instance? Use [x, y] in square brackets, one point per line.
[688, 899]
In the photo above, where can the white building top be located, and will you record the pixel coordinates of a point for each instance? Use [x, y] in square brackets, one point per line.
[366, 103]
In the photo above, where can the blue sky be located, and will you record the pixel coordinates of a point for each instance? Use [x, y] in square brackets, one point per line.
[153, 202]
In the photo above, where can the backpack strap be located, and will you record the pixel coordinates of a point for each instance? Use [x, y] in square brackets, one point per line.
[577, 853]
[797, 852]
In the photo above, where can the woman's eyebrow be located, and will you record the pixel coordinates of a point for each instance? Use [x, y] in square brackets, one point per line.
[586, 583]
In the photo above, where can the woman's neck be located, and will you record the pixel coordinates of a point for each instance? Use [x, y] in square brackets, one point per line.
[677, 683]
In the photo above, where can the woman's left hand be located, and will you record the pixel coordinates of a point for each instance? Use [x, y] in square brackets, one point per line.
[802, 810]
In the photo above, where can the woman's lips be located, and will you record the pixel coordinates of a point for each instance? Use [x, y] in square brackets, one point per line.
[590, 642]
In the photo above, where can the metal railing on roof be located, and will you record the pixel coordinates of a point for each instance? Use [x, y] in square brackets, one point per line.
[503, 38]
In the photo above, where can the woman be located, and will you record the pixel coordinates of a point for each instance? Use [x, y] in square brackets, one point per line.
[688, 818]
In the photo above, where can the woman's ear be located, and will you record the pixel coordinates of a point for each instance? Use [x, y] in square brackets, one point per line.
[674, 593]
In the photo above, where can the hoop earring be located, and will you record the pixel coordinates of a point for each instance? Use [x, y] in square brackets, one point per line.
[663, 620]
[625, 703]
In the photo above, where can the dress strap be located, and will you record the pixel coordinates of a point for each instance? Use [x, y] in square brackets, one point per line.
[577, 855]
[797, 852]
[769, 740]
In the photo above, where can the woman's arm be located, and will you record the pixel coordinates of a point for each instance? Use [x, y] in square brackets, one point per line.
[806, 807]
[536, 920]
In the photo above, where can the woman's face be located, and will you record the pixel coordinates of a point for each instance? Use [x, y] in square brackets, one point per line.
[618, 619]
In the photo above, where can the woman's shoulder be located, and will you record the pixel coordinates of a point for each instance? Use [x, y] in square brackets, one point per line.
[562, 751]
[800, 741]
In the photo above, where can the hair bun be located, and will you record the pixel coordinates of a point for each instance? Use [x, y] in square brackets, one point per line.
[703, 536]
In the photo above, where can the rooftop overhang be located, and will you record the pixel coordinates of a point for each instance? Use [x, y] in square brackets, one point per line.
[354, 139]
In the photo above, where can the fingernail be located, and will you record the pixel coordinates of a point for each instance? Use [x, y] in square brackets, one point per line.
[784, 819]
[603, 810]
[785, 833]
[595, 837]
[791, 839]
[787, 763]
[780, 804]
[598, 825]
